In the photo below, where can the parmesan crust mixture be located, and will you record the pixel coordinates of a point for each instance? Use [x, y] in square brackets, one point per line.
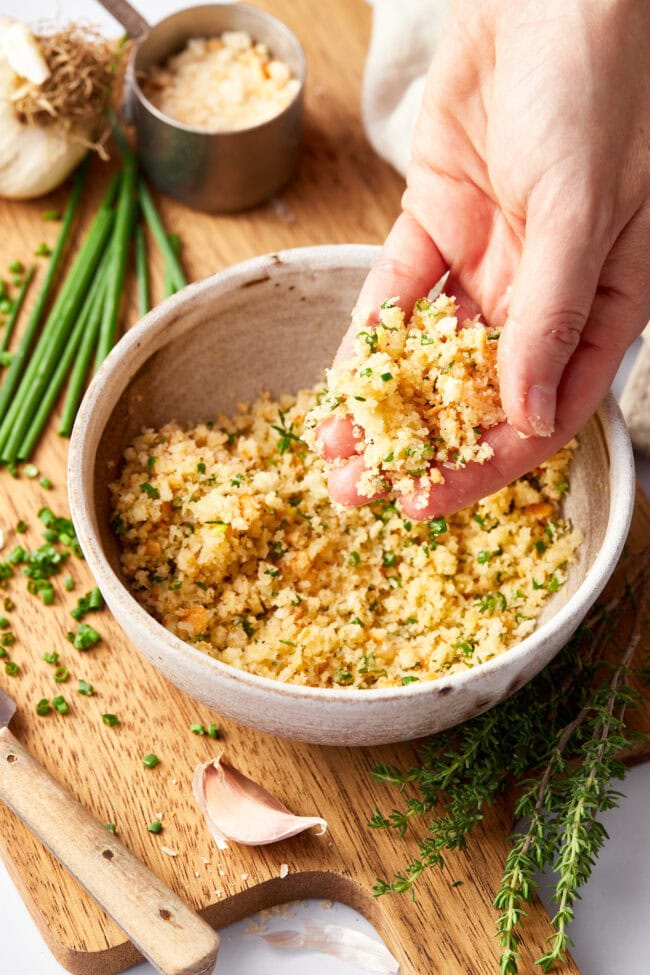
[221, 84]
[229, 539]
[418, 393]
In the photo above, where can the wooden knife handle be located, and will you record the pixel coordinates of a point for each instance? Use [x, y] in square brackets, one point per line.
[170, 935]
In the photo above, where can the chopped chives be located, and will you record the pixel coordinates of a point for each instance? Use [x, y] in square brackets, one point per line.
[51, 658]
[43, 707]
[197, 729]
[15, 310]
[151, 760]
[59, 704]
[61, 675]
[110, 720]
[111, 827]
[11, 668]
[155, 827]
[83, 687]
[213, 731]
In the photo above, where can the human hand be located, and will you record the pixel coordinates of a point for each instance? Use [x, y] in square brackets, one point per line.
[530, 183]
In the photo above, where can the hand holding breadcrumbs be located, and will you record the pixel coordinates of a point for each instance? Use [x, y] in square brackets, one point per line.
[530, 183]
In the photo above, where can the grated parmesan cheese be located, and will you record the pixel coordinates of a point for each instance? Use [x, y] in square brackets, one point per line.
[221, 84]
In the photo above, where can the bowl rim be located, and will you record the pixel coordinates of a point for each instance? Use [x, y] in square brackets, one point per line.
[89, 427]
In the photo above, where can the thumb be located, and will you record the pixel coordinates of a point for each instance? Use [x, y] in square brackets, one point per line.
[552, 295]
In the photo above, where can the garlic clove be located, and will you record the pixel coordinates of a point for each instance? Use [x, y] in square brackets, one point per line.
[239, 810]
[346, 944]
[20, 49]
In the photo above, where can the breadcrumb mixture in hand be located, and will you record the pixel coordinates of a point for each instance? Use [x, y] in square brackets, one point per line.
[419, 393]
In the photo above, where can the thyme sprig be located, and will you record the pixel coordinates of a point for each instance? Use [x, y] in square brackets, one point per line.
[556, 744]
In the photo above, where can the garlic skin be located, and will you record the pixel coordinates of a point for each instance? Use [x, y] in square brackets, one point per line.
[239, 810]
[33, 159]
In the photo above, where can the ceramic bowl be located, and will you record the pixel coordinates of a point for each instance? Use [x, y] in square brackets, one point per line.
[273, 323]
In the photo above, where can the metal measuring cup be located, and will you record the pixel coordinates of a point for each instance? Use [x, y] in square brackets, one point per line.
[217, 171]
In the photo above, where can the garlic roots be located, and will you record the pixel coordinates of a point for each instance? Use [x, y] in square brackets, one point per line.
[34, 158]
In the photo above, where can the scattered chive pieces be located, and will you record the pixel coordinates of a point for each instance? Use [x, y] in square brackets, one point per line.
[11, 668]
[151, 760]
[150, 490]
[110, 719]
[213, 731]
[68, 583]
[3, 652]
[21, 526]
[7, 639]
[16, 267]
[8, 604]
[51, 215]
[200, 467]
[42, 250]
[93, 601]
[30, 470]
[47, 594]
[59, 704]
[386, 376]
[84, 638]
[155, 827]
[455, 883]
[61, 675]
[45, 482]
[111, 827]
[51, 658]
[85, 688]
[43, 707]
[4, 623]
[409, 679]
[354, 558]
[197, 729]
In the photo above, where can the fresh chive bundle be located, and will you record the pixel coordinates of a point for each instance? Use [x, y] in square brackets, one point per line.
[82, 320]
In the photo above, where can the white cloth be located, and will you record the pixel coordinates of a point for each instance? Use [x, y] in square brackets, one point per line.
[404, 36]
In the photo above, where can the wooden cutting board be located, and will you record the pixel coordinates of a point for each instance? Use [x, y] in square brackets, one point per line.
[342, 193]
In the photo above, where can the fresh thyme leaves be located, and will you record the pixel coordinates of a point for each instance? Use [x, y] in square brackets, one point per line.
[287, 436]
[556, 744]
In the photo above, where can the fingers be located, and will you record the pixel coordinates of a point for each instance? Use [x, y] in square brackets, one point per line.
[552, 295]
[512, 458]
[408, 266]
[342, 484]
[338, 438]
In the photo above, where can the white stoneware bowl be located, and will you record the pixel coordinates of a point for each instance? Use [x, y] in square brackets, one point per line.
[273, 323]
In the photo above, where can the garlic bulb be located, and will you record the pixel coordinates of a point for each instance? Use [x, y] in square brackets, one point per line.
[34, 159]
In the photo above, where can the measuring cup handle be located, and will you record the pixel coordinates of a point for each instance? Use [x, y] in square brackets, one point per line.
[133, 23]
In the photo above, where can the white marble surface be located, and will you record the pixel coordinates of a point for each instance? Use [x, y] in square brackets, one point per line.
[611, 931]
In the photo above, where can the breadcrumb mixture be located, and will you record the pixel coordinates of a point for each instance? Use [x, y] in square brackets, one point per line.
[229, 538]
[418, 393]
[221, 83]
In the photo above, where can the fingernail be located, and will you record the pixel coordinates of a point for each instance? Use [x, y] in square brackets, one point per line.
[540, 410]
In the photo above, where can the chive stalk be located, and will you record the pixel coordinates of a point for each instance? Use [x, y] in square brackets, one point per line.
[176, 276]
[168, 283]
[82, 361]
[14, 371]
[54, 335]
[144, 294]
[119, 250]
[81, 331]
[15, 310]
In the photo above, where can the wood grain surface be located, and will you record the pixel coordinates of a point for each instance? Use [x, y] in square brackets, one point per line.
[342, 193]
